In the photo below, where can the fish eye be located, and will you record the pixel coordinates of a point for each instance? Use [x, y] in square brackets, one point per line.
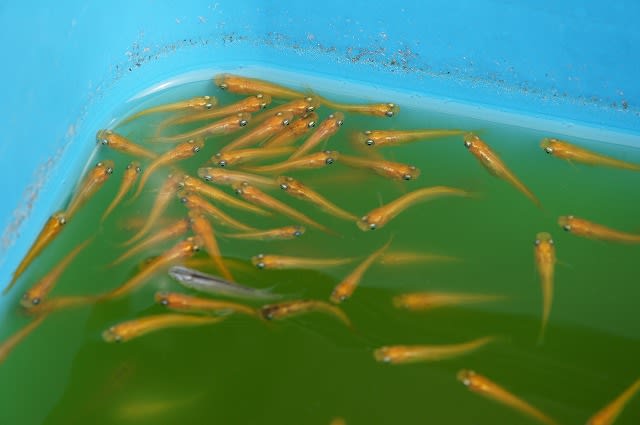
[311, 108]
[223, 86]
[369, 142]
[567, 227]
[372, 226]
[548, 149]
[99, 164]
[284, 186]
[328, 161]
[238, 191]
[208, 177]
[104, 142]
[331, 116]
[339, 122]
[35, 301]
[551, 242]
[183, 200]
[208, 106]
[260, 265]
[138, 170]
[297, 233]
[467, 144]
[196, 149]
[195, 248]
[62, 220]
[117, 338]
[536, 242]
[311, 124]
[222, 163]
[389, 114]
[243, 123]
[285, 122]
[263, 105]
[109, 170]
[180, 185]
[129, 166]
[164, 301]
[407, 177]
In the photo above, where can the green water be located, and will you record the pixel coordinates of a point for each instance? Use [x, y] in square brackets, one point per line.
[310, 369]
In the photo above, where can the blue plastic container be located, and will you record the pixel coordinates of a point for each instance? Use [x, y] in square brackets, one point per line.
[69, 66]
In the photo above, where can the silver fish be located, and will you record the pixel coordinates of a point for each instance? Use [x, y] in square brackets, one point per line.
[210, 284]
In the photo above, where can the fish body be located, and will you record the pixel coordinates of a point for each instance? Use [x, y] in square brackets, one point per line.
[7, 346]
[126, 331]
[198, 103]
[281, 233]
[183, 151]
[258, 197]
[308, 162]
[226, 125]
[375, 109]
[300, 191]
[195, 202]
[228, 177]
[495, 166]
[180, 251]
[214, 285]
[385, 138]
[608, 414]
[89, 186]
[587, 229]
[324, 131]
[263, 131]
[128, 180]
[203, 229]
[190, 304]
[295, 130]
[564, 150]
[120, 143]
[37, 293]
[378, 217]
[422, 301]
[294, 308]
[404, 354]
[242, 156]
[244, 85]
[403, 258]
[297, 108]
[347, 287]
[388, 169]
[51, 229]
[485, 387]
[545, 255]
[172, 230]
[263, 261]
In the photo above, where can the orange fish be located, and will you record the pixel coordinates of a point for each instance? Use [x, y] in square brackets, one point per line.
[267, 129]
[293, 131]
[183, 151]
[311, 161]
[194, 202]
[258, 197]
[297, 307]
[376, 109]
[168, 232]
[545, 255]
[587, 229]
[347, 287]
[494, 164]
[325, 130]
[263, 261]
[164, 196]
[389, 169]
[483, 386]
[40, 290]
[281, 233]
[403, 258]
[297, 107]
[51, 229]
[384, 138]
[404, 354]
[195, 104]
[192, 184]
[229, 177]
[378, 217]
[248, 105]
[223, 126]
[129, 178]
[189, 304]
[126, 331]
[202, 228]
[564, 150]
[421, 301]
[242, 156]
[300, 191]
[122, 144]
[243, 85]
[610, 412]
[89, 186]
[10, 343]
[182, 250]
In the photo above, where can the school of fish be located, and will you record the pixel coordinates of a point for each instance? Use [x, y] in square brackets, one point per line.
[280, 130]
